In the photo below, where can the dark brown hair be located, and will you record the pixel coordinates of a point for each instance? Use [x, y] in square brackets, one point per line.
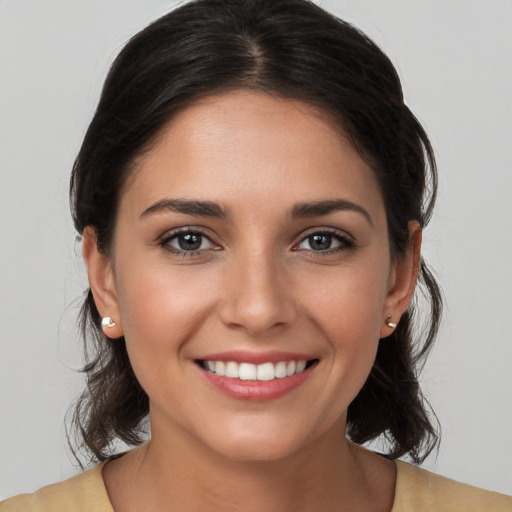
[288, 48]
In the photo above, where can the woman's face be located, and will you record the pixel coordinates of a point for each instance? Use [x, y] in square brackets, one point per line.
[251, 241]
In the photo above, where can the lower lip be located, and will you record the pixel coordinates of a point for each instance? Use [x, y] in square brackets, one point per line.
[257, 390]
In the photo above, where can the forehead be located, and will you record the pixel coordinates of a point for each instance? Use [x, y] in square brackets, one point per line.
[246, 146]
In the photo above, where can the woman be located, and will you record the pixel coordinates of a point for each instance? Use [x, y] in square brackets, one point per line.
[251, 194]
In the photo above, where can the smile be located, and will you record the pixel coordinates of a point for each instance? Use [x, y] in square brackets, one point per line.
[262, 372]
[256, 376]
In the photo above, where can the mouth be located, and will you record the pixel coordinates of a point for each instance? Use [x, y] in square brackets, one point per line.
[256, 381]
[246, 371]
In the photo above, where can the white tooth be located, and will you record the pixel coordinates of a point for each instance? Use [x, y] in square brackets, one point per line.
[265, 371]
[211, 366]
[300, 366]
[290, 368]
[280, 370]
[220, 368]
[232, 370]
[247, 371]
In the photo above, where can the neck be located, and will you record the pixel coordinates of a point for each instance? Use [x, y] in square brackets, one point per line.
[176, 473]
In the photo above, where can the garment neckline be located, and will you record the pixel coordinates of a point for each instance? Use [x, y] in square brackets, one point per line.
[101, 483]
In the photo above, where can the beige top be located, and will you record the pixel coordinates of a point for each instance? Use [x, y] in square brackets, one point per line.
[417, 490]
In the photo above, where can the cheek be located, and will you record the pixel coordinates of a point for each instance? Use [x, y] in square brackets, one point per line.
[349, 302]
[160, 310]
[347, 308]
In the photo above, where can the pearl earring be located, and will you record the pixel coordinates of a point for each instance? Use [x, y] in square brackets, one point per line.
[107, 322]
[389, 323]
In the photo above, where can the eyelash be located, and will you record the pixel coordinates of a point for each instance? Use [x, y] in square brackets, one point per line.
[175, 235]
[345, 242]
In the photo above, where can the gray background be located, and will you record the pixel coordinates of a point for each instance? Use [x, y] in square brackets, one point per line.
[454, 57]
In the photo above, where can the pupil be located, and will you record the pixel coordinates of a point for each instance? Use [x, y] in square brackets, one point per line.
[189, 242]
[320, 242]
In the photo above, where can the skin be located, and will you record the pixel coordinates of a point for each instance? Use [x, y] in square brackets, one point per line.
[257, 283]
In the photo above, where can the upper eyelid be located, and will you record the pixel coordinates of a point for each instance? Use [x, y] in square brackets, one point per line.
[171, 233]
[328, 230]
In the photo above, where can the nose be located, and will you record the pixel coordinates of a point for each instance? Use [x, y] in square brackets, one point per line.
[258, 297]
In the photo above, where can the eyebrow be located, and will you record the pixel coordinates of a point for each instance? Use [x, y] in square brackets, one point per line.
[319, 208]
[203, 208]
[212, 209]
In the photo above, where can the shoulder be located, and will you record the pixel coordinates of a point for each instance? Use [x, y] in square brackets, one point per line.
[82, 493]
[419, 490]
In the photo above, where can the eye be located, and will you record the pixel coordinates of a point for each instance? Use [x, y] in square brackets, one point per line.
[324, 242]
[187, 242]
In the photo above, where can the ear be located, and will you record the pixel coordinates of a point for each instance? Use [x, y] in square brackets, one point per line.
[403, 280]
[101, 282]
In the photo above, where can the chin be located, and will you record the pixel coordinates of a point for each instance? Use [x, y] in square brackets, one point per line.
[267, 450]
[260, 441]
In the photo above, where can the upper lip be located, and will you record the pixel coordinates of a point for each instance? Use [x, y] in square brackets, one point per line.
[244, 356]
